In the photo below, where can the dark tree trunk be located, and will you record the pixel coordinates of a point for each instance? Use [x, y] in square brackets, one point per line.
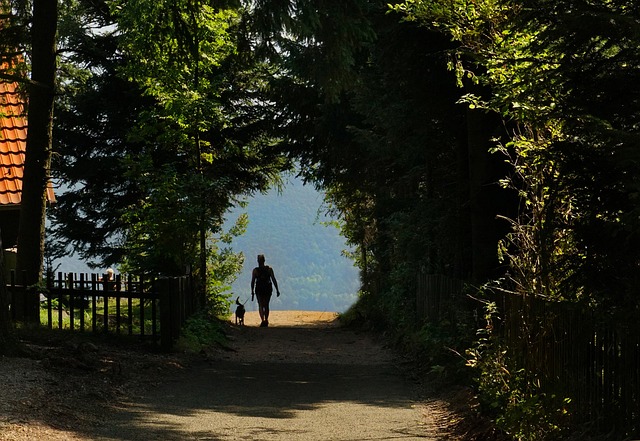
[38, 156]
[463, 259]
[486, 198]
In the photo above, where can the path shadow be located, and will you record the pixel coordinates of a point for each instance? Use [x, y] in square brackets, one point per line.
[253, 391]
[206, 401]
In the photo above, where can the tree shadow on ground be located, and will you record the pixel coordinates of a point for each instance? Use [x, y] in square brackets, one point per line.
[308, 388]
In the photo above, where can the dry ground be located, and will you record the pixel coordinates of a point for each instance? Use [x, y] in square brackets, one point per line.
[78, 390]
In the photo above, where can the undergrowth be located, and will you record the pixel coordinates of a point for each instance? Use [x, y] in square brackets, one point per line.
[200, 331]
[453, 351]
[437, 348]
[512, 396]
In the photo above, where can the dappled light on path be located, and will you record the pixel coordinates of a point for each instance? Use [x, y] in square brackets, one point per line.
[304, 378]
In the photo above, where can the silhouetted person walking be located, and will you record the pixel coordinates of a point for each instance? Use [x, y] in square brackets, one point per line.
[261, 279]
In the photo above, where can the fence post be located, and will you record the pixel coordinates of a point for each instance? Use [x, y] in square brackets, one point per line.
[164, 291]
[82, 299]
[152, 289]
[117, 287]
[94, 301]
[50, 277]
[177, 307]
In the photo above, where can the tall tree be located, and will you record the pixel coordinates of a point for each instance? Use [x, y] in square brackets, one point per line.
[563, 74]
[178, 152]
[38, 157]
[96, 111]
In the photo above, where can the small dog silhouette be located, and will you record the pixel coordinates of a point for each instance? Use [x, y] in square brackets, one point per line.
[240, 312]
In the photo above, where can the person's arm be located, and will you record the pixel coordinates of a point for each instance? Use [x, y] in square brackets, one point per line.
[275, 282]
[253, 282]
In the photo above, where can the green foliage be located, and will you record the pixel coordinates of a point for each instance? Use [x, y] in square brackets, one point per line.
[223, 266]
[386, 153]
[519, 404]
[316, 45]
[175, 45]
[95, 112]
[181, 50]
[553, 69]
[15, 39]
[562, 75]
[364, 313]
[439, 347]
[199, 332]
[546, 260]
[162, 163]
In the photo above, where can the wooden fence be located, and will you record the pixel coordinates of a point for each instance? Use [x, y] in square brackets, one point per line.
[561, 346]
[151, 308]
[574, 355]
[436, 296]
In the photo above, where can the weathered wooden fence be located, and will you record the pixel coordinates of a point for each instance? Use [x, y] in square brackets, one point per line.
[151, 308]
[436, 296]
[563, 347]
[575, 355]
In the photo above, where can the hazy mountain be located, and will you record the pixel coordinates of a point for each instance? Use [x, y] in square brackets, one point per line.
[306, 256]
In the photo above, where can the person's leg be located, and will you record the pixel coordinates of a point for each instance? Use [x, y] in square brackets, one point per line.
[262, 301]
[266, 311]
[260, 308]
[265, 302]
[263, 307]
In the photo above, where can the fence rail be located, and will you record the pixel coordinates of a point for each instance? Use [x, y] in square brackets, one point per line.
[151, 308]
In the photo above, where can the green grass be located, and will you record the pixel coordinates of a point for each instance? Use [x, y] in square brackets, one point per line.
[136, 306]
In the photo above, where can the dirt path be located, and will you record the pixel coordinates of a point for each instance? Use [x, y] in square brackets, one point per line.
[302, 378]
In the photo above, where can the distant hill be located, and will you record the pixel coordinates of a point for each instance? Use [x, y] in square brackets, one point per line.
[306, 256]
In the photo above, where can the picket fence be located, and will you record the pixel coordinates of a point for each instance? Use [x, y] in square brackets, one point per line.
[152, 308]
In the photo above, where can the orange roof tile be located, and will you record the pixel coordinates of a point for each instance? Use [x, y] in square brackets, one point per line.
[13, 143]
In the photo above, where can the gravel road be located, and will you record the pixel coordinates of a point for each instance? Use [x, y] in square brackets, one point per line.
[302, 378]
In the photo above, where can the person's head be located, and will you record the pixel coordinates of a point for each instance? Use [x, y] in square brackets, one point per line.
[260, 259]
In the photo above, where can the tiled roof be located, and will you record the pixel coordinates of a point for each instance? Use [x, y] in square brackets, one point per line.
[13, 143]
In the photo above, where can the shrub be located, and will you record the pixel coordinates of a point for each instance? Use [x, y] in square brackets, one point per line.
[200, 331]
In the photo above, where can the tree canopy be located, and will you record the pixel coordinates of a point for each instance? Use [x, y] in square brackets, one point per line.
[178, 140]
